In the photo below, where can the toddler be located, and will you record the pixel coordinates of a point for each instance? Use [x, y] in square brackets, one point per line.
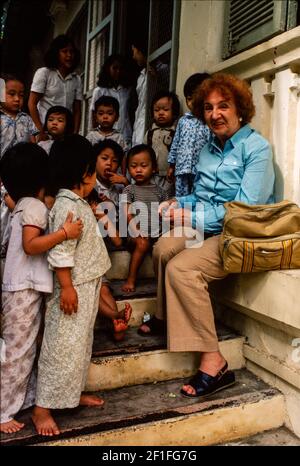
[144, 228]
[165, 111]
[78, 265]
[191, 135]
[58, 123]
[106, 114]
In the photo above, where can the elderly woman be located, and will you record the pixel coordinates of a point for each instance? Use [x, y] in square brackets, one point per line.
[235, 165]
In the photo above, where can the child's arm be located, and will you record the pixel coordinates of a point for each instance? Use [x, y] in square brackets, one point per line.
[77, 115]
[35, 243]
[9, 202]
[68, 294]
[115, 178]
[34, 98]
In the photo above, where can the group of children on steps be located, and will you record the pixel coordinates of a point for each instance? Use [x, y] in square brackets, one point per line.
[61, 254]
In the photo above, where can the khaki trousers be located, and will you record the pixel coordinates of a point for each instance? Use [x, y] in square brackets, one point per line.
[183, 276]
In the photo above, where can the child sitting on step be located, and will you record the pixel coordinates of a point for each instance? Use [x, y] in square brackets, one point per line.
[105, 196]
[144, 196]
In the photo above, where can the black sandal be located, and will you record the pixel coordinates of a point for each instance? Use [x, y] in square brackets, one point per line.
[156, 327]
[205, 384]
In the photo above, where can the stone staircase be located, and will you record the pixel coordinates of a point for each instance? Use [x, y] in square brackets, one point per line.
[140, 381]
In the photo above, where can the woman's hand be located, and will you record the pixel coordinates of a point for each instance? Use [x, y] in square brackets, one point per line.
[72, 229]
[165, 206]
[68, 300]
[178, 217]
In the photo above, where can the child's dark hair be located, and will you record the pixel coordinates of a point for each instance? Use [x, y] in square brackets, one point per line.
[23, 170]
[170, 95]
[70, 160]
[109, 144]
[193, 82]
[69, 129]
[108, 101]
[11, 77]
[142, 148]
[60, 42]
[104, 78]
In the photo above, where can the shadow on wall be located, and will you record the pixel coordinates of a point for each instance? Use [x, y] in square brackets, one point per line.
[279, 183]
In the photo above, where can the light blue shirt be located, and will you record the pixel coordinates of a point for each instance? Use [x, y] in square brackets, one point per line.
[241, 171]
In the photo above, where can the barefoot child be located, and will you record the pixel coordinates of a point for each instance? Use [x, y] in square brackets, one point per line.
[141, 161]
[23, 170]
[78, 265]
[109, 159]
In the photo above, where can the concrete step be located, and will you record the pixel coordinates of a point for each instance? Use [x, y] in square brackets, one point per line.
[120, 265]
[281, 437]
[138, 359]
[157, 414]
[142, 300]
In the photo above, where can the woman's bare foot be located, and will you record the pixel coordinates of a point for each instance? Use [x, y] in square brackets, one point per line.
[11, 427]
[128, 286]
[91, 400]
[44, 422]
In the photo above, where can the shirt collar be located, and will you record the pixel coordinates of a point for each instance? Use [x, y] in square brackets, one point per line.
[242, 133]
[155, 126]
[69, 76]
[70, 195]
[18, 115]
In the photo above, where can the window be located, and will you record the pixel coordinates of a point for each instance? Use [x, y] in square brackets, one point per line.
[249, 23]
[99, 46]
[163, 46]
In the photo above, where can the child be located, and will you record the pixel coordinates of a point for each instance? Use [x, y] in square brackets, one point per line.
[107, 114]
[57, 84]
[78, 265]
[27, 277]
[191, 135]
[15, 126]
[109, 159]
[141, 162]
[165, 111]
[58, 123]
[113, 82]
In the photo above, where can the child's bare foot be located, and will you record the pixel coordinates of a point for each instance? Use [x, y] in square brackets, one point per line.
[128, 286]
[120, 327]
[44, 422]
[10, 427]
[91, 400]
[128, 312]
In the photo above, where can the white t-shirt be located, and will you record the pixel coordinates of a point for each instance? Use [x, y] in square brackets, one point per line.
[56, 90]
[22, 272]
[140, 113]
